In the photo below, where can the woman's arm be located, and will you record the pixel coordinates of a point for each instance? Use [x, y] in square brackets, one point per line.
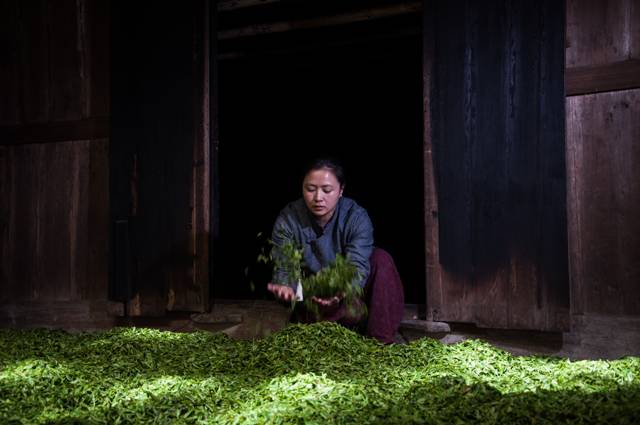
[280, 285]
[359, 244]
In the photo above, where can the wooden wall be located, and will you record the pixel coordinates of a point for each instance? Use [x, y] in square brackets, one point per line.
[57, 157]
[603, 153]
[54, 144]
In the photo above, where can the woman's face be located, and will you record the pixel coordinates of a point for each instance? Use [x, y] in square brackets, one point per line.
[321, 191]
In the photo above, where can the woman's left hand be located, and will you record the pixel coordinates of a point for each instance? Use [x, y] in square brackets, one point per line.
[326, 302]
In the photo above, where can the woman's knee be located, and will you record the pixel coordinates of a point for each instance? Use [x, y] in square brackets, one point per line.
[381, 257]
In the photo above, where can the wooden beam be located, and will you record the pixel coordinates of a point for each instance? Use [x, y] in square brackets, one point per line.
[355, 40]
[433, 272]
[622, 75]
[225, 5]
[324, 21]
[64, 131]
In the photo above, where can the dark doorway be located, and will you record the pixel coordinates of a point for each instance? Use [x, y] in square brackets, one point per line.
[360, 102]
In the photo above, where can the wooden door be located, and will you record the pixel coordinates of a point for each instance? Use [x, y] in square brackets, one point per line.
[495, 164]
[159, 159]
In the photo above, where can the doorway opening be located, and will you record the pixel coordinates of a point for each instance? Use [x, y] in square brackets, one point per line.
[360, 102]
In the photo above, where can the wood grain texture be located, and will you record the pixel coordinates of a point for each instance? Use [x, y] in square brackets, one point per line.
[604, 202]
[10, 72]
[156, 110]
[54, 165]
[602, 32]
[66, 79]
[432, 258]
[97, 230]
[602, 78]
[90, 128]
[498, 139]
[55, 62]
[34, 61]
[98, 48]
[46, 231]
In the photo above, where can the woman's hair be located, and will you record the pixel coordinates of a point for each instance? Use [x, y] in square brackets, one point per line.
[330, 164]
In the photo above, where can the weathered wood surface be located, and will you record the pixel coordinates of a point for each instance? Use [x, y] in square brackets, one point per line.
[54, 197]
[498, 149]
[431, 237]
[601, 336]
[53, 225]
[601, 78]
[55, 61]
[601, 32]
[157, 89]
[62, 131]
[603, 152]
[363, 15]
[603, 46]
[79, 315]
[602, 156]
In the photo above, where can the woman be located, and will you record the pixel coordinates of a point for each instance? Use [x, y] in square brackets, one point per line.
[324, 224]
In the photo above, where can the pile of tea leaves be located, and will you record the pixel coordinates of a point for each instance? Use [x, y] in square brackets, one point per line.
[320, 373]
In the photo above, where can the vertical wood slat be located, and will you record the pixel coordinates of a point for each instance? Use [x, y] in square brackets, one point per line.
[99, 53]
[197, 296]
[501, 205]
[97, 230]
[66, 80]
[604, 202]
[432, 272]
[601, 32]
[5, 222]
[10, 46]
[35, 61]
[24, 230]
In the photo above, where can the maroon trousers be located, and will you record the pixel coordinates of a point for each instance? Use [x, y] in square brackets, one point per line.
[383, 296]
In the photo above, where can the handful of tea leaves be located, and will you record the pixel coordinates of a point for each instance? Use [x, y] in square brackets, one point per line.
[338, 279]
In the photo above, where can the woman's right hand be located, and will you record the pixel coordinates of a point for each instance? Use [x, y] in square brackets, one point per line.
[282, 292]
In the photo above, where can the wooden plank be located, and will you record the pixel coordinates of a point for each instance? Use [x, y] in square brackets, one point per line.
[6, 183]
[601, 32]
[24, 229]
[552, 178]
[65, 71]
[225, 5]
[434, 299]
[10, 72]
[54, 241]
[199, 297]
[368, 14]
[34, 62]
[575, 204]
[83, 53]
[601, 78]
[70, 316]
[53, 132]
[79, 224]
[605, 202]
[99, 56]
[96, 285]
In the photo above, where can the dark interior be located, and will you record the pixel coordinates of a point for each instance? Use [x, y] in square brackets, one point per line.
[360, 102]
